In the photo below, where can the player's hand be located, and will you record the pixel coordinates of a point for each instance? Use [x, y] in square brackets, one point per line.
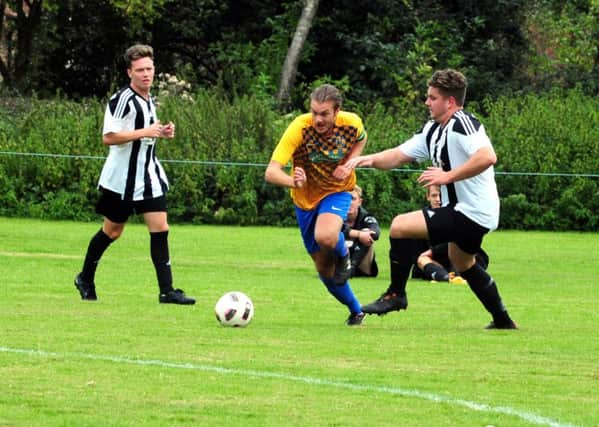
[168, 130]
[428, 253]
[433, 176]
[365, 161]
[154, 130]
[299, 177]
[367, 237]
[341, 172]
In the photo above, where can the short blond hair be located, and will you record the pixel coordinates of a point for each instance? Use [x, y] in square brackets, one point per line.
[358, 190]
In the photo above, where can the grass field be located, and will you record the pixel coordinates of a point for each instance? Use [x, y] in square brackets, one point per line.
[126, 360]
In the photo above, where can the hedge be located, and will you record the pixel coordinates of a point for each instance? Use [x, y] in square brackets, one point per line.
[547, 173]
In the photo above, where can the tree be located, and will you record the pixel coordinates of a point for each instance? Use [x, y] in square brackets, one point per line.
[62, 45]
[19, 24]
[563, 37]
[380, 51]
[289, 70]
[82, 51]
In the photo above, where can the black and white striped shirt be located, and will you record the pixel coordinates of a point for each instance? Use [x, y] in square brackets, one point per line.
[449, 147]
[132, 169]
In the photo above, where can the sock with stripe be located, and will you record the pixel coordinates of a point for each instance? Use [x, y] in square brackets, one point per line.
[434, 271]
[485, 289]
[340, 248]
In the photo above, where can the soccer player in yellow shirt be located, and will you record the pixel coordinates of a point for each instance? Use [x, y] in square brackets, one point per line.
[318, 144]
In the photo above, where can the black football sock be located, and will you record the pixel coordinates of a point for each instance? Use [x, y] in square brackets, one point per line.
[161, 260]
[484, 287]
[401, 259]
[97, 245]
[434, 271]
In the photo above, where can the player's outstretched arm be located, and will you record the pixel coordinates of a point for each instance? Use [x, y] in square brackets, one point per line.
[387, 159]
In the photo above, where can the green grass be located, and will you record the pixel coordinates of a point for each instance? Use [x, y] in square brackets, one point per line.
[127, 360]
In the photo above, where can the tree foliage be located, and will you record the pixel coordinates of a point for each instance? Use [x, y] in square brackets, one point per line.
[20, 27]
[563, 44]
[384, 49]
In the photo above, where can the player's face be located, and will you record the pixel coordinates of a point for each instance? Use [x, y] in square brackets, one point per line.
[434, 196]
[438, 105]
[324, 115]
[141, 74]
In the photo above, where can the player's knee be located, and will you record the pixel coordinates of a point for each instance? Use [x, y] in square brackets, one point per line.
[462, 265]
[326, 241]
[158, 229]
[397, 229]
[113, 230]
[114, 233]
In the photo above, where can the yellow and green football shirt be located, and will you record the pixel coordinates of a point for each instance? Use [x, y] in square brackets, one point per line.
[319, 155]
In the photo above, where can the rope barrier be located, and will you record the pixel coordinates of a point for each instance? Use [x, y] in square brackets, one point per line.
[263, 165]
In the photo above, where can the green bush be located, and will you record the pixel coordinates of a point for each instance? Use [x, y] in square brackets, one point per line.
[53, 187]
[556, 136]
[216, 162]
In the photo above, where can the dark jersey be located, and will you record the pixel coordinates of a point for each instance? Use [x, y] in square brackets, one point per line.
[363, 220]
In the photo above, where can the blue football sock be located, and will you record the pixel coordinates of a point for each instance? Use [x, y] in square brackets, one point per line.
[344, 294]
[340, 248]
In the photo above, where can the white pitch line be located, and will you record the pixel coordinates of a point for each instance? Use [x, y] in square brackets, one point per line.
[482, 407]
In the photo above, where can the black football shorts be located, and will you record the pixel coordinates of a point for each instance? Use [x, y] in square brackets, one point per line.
[117, 210]
[445, 224]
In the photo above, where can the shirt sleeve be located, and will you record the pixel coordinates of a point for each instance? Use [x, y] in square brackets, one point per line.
[113, 124]
[289, 142]
[416, 147]
[357, 122]
[474, 142]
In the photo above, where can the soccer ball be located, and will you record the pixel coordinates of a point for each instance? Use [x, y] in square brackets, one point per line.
[234, 309]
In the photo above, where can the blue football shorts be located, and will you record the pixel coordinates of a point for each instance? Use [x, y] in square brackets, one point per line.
[336, 203]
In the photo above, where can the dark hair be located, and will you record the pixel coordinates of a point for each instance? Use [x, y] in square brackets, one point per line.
[450, 83]
[138, 51]
[327, 92]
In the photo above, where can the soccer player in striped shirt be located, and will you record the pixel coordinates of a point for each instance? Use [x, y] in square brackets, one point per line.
[462, 164]
[132, 179]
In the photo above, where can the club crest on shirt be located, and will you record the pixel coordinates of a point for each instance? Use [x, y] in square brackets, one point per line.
[326, 156]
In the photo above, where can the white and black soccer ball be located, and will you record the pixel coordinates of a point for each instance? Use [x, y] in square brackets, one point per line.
[234, 309]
